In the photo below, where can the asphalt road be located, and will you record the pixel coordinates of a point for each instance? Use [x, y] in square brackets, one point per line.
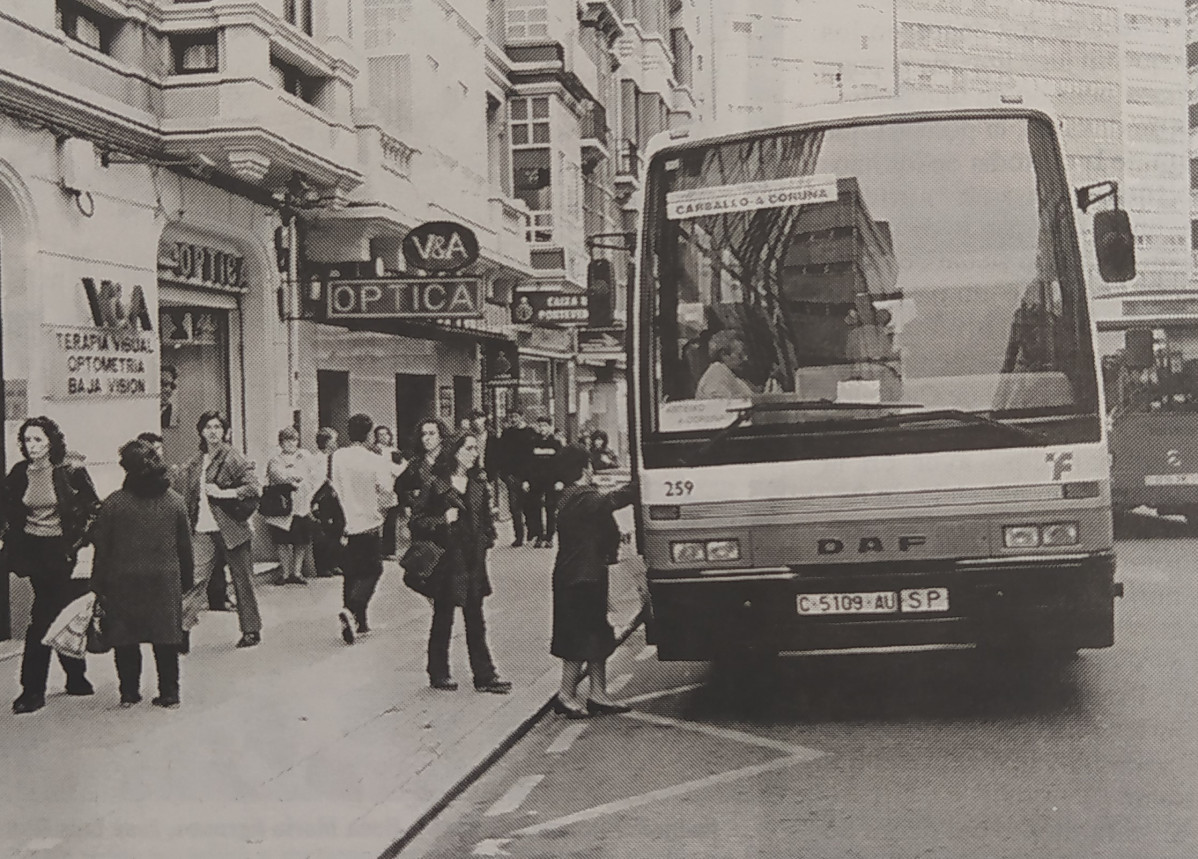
[931, 754]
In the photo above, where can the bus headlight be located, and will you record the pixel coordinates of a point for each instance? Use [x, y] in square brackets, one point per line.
[1059, 534]
[1021, 536]
[711, 550]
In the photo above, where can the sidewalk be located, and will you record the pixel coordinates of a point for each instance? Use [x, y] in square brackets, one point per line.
[301, 747]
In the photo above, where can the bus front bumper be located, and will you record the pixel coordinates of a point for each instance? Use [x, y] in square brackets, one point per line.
[1065, 603]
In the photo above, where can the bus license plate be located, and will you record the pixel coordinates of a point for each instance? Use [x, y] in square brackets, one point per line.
[912, 600]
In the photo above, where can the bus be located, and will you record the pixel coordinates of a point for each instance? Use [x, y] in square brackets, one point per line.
[865, 404]
[1148, 343]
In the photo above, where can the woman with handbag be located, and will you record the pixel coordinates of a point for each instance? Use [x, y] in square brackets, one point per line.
[588, 541]
[221, 493]
[49, 507]
[454, 512]
[143, 560]
[291, 481]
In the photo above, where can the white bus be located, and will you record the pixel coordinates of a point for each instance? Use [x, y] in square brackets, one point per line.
[866, 408]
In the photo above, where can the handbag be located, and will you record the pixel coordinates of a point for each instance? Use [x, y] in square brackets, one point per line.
[419, 563]
[328, 516]
[276, 500]
[97, 641]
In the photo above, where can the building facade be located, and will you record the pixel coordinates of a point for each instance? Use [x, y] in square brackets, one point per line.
[183, 185]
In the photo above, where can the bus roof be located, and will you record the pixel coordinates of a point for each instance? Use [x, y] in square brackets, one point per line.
[878, 108]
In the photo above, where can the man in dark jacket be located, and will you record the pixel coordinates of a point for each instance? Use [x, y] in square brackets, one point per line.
[543, 484]
[512, 468]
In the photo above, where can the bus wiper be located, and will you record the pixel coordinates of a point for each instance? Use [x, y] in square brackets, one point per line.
[745, 412]
[1018, 432]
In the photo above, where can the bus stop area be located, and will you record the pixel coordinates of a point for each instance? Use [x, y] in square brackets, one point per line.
[300, 747]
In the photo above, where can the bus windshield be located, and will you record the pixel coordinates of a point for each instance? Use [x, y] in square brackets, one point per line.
[1160, 376]
[839, 281]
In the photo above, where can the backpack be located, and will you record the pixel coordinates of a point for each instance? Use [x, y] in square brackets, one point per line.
[327, 514]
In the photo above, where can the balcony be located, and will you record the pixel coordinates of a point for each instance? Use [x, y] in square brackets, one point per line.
[594, 133]
[628, 165]
[604, 17]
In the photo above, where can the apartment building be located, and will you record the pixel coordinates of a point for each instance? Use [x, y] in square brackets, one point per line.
[181, 183]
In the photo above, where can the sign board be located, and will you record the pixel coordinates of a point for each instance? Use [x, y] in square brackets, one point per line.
[405, 298]
[501, 364]
[530, 306]
[609, 339]
[440, 246]
[86, 363]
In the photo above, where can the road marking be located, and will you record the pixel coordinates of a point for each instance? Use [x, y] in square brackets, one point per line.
[801, 752]
[662, 693]
[619, 683]
[616, 807]
[491, 847]
[647, 651]
[566, 739]
[515, 796]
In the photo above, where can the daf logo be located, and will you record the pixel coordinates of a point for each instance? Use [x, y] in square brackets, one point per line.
[866, 545]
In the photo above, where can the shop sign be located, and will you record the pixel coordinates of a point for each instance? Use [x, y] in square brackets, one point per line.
[530, 306]
[198, 263]
[109, 309]
[440, 246]
[601, 339]
[405, 298]
[87, 363]
[501, 364]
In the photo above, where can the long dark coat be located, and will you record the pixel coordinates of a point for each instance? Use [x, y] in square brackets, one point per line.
[142, 563]
[461, 574]
[587, 536]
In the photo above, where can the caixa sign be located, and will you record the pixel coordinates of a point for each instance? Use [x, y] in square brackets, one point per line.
[440, 246]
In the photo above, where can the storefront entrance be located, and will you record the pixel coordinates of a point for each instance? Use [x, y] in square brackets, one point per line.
[415, 400]
[194, 373]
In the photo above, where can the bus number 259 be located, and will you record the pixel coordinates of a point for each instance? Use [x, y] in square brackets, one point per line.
[678, 488]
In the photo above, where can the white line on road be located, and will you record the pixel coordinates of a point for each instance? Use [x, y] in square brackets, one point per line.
[662, 693]
[654, 796]
[729, 734]
[619, 683]
[515, 796]
[566, 738]
[647, 651]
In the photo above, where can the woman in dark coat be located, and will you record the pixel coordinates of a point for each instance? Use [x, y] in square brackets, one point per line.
[455, 513]
[49, 507]
[143, 561]
[589, 540]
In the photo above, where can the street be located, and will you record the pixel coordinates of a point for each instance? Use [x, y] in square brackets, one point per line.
[929, 754]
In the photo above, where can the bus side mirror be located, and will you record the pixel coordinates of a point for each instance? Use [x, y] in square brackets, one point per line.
[1137, 349]
[1115, 245]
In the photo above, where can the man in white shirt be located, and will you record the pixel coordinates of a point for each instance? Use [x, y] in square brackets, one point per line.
[364, 481]
[721, 380]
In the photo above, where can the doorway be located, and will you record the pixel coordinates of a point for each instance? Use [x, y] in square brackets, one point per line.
[463, 398]
[332, 401]
[415, 400]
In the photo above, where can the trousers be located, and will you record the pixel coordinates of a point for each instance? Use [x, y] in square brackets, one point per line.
[481, 664]
[211, 555]
[362, 566]
[128, 669]
[45, 561]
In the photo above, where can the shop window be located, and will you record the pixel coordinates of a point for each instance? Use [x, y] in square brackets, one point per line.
[86, 26]
[194, 373]
[195, 52]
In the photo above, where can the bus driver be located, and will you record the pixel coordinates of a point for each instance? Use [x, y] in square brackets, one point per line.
[721, 380]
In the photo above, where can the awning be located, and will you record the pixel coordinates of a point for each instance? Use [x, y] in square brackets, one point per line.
[443, 329]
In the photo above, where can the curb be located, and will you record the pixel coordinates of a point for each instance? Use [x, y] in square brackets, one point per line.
[476, 772]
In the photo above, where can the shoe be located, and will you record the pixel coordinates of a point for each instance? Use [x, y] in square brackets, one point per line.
[295, 580]
[185, 644]
[168, 702]
[128, 701]
[445, 684]
[538, 544]
[568, 711]
[81, 686]
[28, 703]
[228, 605]
[547, 544]
[516, 544]
[363, 629]
[280, 582]
[494, 686]
[347, 626]
[250, 639]
[597, 709]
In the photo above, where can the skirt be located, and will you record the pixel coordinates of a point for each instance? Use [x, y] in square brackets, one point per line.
[299, 533]
[581, 632]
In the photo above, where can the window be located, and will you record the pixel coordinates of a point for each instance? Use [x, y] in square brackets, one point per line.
[299, 13]
[86, 26]
[530, 120]
[195, 52]
[527, 19]
[294, 81]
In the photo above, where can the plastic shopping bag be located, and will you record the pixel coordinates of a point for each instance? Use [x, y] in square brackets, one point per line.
[68, 632]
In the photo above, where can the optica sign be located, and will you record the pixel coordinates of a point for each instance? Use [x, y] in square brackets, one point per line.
[406, 298]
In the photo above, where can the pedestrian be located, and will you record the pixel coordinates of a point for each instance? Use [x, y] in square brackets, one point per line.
[363, 481]
[297, 475]
[513, 452]
[590, 541]
[602, 456]
[384, 446]
[326, 552]
[142, 564]
[221, 492]
[488, 445]
[431, 437]
[543, 484]
[455, 513]
[49, 507]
